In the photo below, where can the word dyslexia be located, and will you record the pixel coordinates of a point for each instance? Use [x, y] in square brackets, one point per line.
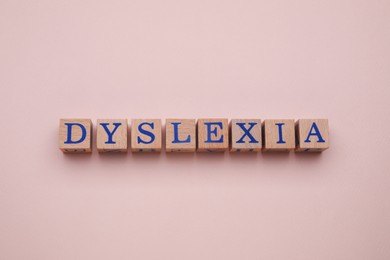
[189, 135]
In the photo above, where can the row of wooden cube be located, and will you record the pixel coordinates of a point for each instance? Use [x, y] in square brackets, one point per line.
[189, 135]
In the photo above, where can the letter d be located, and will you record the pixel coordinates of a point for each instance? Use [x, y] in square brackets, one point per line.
[69, 133]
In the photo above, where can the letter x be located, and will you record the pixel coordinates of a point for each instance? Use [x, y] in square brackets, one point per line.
[247, 132]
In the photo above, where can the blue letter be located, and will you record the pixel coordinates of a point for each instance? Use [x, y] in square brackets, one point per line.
[316, 133]
[110, 134]
[281, 141]
[148, 133]
[176, 134]
[69, 136]
[214, 132]
[246, 133]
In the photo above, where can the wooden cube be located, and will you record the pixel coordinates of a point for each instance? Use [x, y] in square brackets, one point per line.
[245, 135]
[180, 135]
[111, 135]
[279, 135]
[312, 135]
[146, 135]
[213, 135]
[75, 135]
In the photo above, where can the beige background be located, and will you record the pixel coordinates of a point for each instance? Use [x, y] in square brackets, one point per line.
[194, 59]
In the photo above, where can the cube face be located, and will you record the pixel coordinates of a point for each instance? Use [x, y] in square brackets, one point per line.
[111, 135]
[146, 135]
[312, 135]
[180, 135]
[279, 135]
[75, 135]
[245, 135]
[213, 135]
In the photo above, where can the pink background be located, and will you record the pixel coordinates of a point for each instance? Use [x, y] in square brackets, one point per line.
[193, 59]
